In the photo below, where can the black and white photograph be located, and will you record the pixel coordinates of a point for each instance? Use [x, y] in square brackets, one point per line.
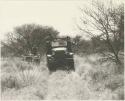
[62, 49]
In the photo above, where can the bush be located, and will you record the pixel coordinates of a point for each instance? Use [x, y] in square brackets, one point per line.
[7, 81]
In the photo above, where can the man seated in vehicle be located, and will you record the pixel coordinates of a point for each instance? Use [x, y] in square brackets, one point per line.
[69, 48]
[34, 50]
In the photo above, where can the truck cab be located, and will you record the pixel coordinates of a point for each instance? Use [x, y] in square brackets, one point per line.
[59, 54]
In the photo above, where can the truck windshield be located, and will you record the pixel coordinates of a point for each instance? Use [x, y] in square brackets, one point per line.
[58, 42]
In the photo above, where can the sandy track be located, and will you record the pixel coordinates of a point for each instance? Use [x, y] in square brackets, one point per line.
[63, 85]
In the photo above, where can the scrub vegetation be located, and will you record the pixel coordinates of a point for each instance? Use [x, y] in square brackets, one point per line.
[99, 61]
[91, 80]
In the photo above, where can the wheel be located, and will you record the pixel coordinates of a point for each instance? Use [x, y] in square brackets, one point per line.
[37, 61]
[71, 66]
[51, 66]
[29, 59]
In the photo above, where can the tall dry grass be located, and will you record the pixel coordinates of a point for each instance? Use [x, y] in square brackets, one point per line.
[19, 77]
[91, 80]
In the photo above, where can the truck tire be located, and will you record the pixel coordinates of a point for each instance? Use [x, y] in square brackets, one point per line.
[71, 66]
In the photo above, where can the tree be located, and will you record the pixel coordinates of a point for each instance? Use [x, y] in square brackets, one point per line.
[108, 24]
[81, 45]
[27, 36]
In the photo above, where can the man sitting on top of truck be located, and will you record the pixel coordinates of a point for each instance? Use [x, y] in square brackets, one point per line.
[69, 48]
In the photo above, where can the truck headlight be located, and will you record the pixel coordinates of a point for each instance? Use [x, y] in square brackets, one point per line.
[70, 53]
[49, 55]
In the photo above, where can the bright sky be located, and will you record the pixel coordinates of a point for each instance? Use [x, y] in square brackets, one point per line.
[59, 14]
[62, 15]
